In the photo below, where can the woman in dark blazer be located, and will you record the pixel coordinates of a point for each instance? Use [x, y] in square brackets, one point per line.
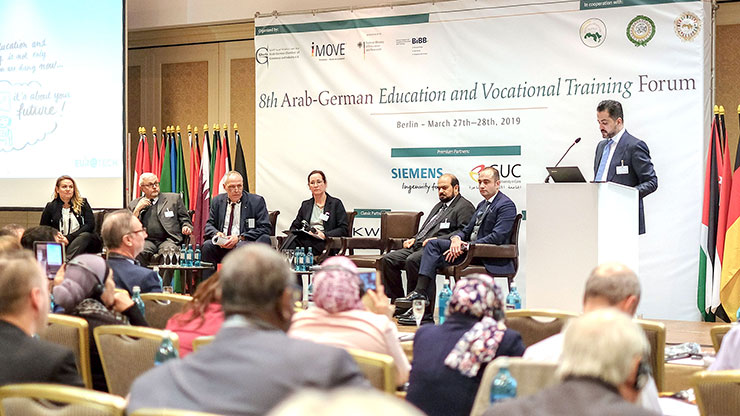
[324, 215]
[449, 359]
[72, 216]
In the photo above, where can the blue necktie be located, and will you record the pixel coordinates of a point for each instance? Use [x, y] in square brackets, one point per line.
[604, 157]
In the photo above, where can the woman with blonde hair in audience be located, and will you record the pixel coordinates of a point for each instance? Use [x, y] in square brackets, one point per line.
[71, 215]
[202, 316]
[449, 359]
[89, 292]
[340, 319]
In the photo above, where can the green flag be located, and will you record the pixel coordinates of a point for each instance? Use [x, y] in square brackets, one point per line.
[214, 150]
[182, 173]
[165, 181]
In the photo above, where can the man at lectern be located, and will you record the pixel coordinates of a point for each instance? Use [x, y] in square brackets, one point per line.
[621, 157]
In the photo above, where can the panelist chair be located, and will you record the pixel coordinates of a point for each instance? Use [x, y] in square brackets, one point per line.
[534, 325]
[71, 332]
[160, 307]
[275, 242]
[477, 252]
[395, 226]
[334, 244]
[41, 399]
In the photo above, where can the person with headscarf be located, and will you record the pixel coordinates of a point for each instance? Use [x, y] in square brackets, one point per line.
[89, 292]
[341, 319]
[449, 359]
[200, 317]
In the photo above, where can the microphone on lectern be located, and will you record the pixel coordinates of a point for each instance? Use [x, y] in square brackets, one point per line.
[547, 179]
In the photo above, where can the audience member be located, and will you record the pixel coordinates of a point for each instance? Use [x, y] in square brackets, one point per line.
[201, 316]
[89, 292]
[9, 243]
[343, 402]
[13, 230]
[447, 217]
[610, 285]
[72, 216]
[124, 237]
[252, 365]
[603, 367]
[340, 319]
[236, 216]
[323, 214]
[490, 224]
[728, 356]
[40, 233]
[164, 216]
[24, 305]
[449, 359]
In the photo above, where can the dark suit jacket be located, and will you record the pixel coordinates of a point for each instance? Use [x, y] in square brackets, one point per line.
[170, 202]
[244, 371]
[495, 229]
[53, 214]
[29, 360]
[574, 397]
[127, 275]
[437, 389]
[335, 226]
[635, 154]
[253, 206]
[457, 215]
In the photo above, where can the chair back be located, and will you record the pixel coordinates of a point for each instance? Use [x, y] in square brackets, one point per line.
[514, 240]
[160, 307]
[350, 222]
[73, 333]
[273, 216]
[399, 224]
[126, 352]
[534, 325]
[169, 412]
[717, 333]
[655, 333]
[201, 342]
[39, 399]
[717, 392]
[531, 377]
[377, 368]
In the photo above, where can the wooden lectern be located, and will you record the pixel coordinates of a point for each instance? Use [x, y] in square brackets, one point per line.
[572, 228]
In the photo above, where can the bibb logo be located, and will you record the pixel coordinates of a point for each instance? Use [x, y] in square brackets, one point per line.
[419, 40]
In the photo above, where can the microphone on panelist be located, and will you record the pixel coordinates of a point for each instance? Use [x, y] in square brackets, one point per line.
[547, 179]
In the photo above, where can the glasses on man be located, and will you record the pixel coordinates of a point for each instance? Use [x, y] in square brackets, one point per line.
[142, 230]
[153, 184]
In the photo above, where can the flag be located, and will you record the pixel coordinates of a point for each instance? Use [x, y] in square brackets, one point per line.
[708, 291]
[173, 161]
[165, 180]
[162, 146]
[156, 154]
[203, 199]
[222, 168]
[194, 168]
[181, 186]
[215, 145]
[239, 163]
[142, 164]
[730, 282]
[228, 148]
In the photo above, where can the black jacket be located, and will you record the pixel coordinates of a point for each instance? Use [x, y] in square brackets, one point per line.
[52, 215]
[335, 226]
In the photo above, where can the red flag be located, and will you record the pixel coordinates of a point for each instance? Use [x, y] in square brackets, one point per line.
[156, 155]
[730, 284]
[203, 198]
[194, 167]
[142, 164]
[708, 287]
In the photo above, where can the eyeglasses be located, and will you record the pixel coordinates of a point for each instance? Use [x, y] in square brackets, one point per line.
[155, 184]
[143, 230]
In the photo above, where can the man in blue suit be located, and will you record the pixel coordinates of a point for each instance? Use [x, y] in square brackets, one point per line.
[622, 158]
[236, 218]
[124, 236]
[491, 223]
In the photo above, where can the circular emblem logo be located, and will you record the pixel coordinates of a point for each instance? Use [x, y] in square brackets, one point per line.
[687, 26]
[640, 30]
[593, 32]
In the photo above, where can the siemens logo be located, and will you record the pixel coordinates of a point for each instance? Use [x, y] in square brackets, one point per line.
[416, 173]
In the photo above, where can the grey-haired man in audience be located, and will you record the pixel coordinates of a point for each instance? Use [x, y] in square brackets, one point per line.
[251, 365]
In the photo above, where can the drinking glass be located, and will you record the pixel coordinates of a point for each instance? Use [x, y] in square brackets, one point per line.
[418, 309]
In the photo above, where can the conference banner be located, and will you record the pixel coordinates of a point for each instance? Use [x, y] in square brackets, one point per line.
[385, 100]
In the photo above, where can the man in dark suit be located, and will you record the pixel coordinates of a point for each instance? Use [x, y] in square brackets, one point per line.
[24, 304]
[603, 367]
[124, 236]
[622, 158]
[236, 218]
[164, 215]
[491, 223]
[448, 216]
[251, 365]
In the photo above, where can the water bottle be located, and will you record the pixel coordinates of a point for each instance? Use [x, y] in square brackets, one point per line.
[189, 256]
[737, 315]
[308, 263]
[196, 256]
[182, 255]
[504, 385]
[137, 300]
[51, 302]
[513, 299]
[299, 259]
[444, 299]
[156, 270]
[166, 349]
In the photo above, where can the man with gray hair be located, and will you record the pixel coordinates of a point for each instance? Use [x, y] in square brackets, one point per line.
[603, 368]
[24, 305]
[124, 237]
[164, 216]
[251, 365]
[610, 285]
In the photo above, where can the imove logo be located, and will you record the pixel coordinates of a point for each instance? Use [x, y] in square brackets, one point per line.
[327, 50]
